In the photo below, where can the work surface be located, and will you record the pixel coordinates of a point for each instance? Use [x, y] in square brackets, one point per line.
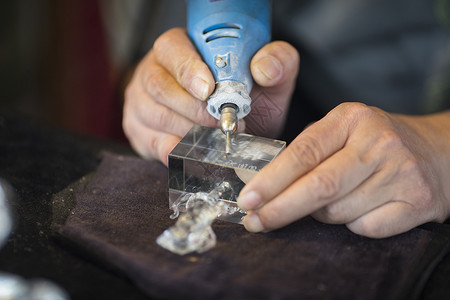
[40, 162]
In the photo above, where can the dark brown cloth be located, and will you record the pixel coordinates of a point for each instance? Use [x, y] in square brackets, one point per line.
[119, 211]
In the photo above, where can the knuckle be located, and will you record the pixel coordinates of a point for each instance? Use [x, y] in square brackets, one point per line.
[334, 214]
[325, 185]
[426, 196]
[357, 110]
[427, 193]
[153, 146]
[182, 73]
[423, 195]
[410, 165]
[155, 83]
[163, 41]
[388, 141]
[369, 229]
[305, 153]
[161, 118]
[353, 112]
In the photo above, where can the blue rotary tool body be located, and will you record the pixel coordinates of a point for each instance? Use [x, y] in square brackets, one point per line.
[227, 33]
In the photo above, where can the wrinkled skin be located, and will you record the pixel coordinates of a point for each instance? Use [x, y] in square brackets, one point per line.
[167, 93]
[380, 174]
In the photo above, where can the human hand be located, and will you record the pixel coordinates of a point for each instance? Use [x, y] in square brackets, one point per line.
[167, 93]
[380, 174]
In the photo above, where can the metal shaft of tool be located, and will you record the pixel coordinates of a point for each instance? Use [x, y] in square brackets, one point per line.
[227, 147]
[228, 123]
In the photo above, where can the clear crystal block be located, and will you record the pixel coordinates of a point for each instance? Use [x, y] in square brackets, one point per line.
[199, 163]
[193, 231]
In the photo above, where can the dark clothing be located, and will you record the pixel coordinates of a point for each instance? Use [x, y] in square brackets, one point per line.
[391, 54]
[394, 55]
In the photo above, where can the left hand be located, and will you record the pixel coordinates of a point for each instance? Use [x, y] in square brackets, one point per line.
[378, 173]
[168, 92]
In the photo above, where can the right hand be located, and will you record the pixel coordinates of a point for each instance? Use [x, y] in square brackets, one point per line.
[168, 92]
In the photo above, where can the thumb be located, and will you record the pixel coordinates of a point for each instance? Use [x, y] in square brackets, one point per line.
[274, 69]
[275, 64]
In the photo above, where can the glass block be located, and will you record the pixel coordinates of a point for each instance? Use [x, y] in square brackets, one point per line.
[199, 163]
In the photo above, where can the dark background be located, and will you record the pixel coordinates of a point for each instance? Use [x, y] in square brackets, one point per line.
[61, 96]
[56, 67]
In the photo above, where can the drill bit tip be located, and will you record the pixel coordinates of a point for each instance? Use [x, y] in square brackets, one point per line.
[228, 144]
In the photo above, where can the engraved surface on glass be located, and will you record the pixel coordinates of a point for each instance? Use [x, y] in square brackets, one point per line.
[199, 163]
[193, 231]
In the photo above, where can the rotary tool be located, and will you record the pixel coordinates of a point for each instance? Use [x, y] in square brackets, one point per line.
[227, 33]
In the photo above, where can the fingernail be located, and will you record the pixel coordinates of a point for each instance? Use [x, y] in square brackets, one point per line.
[269, 66]
[252, 223]
[249, 200]
[199, 88]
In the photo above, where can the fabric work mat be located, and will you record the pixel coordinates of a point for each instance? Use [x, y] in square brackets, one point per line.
[117, 213]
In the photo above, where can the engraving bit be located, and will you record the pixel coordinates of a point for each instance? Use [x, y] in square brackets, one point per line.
[228, 123]
[227, 34]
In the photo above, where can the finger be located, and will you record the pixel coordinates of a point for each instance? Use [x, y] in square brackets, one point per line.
[275, 64]
[140, 107]
[310, 148]
[385, 185]
[398, 176]
[150, 143]
[164, 89]
[388, 220]
[335, 177]
[372, 193]
[176, 53]
[274, 69]
[241, 126]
